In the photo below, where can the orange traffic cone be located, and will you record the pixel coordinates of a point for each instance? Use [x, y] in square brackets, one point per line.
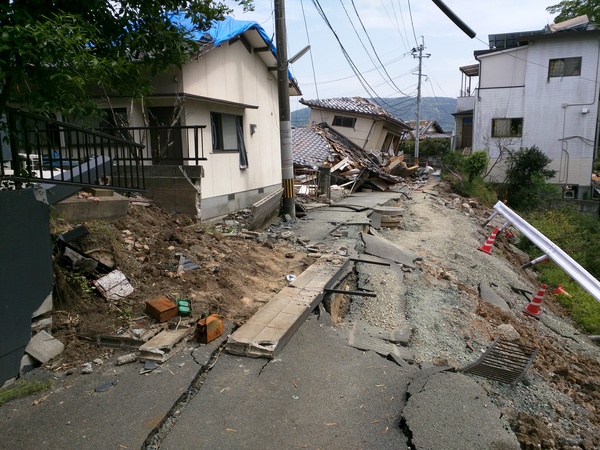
[487, 247]
[560, 290]
[533, 309]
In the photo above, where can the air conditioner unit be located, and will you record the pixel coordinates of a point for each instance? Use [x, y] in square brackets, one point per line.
[570, 192]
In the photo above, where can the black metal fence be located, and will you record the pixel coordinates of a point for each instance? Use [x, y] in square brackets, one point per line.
[39, 149]
[174, 145]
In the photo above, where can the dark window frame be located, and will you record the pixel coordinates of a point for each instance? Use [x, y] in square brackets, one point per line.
[514, 127]
[218, 137]
[564, 67]
[343, 121]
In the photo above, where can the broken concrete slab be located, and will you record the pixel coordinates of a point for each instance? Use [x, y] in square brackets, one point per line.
[367, 342]
[383, 248]
[43, 347]
[267, 331]
[488, 295]
[164, 345]
[453, 412]
[114, 285]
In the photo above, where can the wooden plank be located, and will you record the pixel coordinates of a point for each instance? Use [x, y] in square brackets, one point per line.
[342, 164]
[267, 331]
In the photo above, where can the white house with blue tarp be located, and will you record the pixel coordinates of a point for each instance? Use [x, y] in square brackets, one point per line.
[215, 120]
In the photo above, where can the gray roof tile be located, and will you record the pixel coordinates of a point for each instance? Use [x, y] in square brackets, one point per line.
[356, 105]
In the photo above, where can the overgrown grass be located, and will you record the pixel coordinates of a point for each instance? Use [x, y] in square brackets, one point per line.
[577, 235]
[23, 388]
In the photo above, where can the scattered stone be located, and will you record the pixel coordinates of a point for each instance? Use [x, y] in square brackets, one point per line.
[508, 332]
[106, 386]
[126, 359]
[86, 368]
[98, 361]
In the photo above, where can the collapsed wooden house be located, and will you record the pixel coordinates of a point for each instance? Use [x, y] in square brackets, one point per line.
[320, 146]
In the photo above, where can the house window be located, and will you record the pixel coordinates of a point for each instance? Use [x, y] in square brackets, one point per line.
[564, 67]
[341, 121]
[227, 132]
[507, 127]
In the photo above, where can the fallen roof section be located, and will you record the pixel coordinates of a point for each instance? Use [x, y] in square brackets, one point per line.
[320, 145]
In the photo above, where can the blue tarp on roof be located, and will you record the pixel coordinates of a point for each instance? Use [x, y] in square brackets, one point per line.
[223, 30]
[229, 28]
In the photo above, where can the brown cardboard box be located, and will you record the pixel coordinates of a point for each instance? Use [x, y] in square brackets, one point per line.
[161, 308]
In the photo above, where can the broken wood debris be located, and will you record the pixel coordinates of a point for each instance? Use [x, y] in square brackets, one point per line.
[164, 345]
[349, 165]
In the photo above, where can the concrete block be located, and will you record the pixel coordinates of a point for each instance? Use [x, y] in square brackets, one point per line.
[73, 209]
[100, 192]
[44, 347]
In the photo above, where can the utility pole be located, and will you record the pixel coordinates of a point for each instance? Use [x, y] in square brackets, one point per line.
[285, 125]
[419, 50]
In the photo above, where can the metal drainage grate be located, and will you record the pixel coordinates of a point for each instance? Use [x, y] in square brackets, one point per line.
[503, 361]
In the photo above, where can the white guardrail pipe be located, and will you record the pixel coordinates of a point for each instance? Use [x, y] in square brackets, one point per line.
[568, 264]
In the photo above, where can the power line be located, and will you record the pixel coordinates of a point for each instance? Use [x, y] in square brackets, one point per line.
[374, 50]
[312, 62]
[365, 84]
[412, 23]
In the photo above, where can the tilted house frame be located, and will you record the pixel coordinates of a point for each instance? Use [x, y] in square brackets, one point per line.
[229, 93]
[538, 88]
[363, 122]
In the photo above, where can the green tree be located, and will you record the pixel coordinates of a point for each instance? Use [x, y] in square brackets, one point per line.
[526, 176]
[569, 9]
[53, 52]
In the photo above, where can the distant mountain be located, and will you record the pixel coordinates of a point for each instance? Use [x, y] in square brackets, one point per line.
[439, 109]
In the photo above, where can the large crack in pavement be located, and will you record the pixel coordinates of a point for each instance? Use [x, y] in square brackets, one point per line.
[161, 431]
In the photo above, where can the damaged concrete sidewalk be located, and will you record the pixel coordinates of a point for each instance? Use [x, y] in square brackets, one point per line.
[320, 390]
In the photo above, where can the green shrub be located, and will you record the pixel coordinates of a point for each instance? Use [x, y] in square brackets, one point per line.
[526, 175]
[475, 164]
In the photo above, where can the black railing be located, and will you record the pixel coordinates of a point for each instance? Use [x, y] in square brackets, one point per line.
[175, 145]
[39, 149]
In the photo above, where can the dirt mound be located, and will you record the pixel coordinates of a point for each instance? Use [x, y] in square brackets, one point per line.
[230, 274]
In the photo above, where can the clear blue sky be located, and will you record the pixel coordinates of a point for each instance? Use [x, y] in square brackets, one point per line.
[393, 28]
